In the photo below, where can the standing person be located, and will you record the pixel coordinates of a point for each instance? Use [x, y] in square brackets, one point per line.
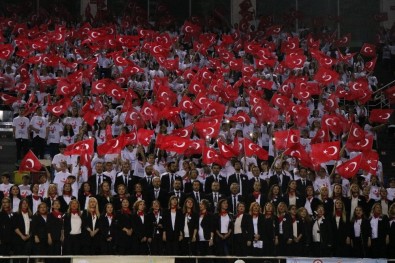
[240, 178]
[97, 179]
[55, 229]
[284, 229]
[107, 233]
[295, 247]
[84, 193]
[223, 227]
[379, 232]
[40, 230]
[340, 228]
[322, 234]
[360, 233]
[270, 230]
[190, 227]
[172, 227]
[21, 221]
[90, 228]
[274, 196]
[124, 229]
[20, 129]
[72, 229]
[34, 199]
[6, 226]
[121, 194]
[303, 249]
[391, 244]
[38, 127]
[205, 230]
[243, 232]
[155, 218]
[141, 228]
[258, 226]
[104, 196]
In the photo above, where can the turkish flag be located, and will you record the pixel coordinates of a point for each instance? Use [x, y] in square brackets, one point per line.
[6, 50]
[8, 99]
[241, 117]
[78, 147]
[350, 168]
[295, 61]
[298, 151]
[115, 91]
[368, 50]
[380, 115]
[196, 86]
[326, 151]
[280, 101]
[130, 138]
[149, 112]
[214, 109]
[331, 103]
[133, 117]
[144, 136]
[251, 148]
[195, 147]
[112, 146]
[30, 163]
[188, 106]
[185, 132]
[292, 139]
[370, 161]
[164, 94]
[370, 65]
[66, 87]
[227, 150]
[90, 116]
[390, 94]
[362, 145]
[212, 156]
[333, 123]
[59, 107]
[300, 114]
[280, 139]
[326, 76]
[343, 41]
[100, 86]
[356, 133]
[207, 129]
[175, 144]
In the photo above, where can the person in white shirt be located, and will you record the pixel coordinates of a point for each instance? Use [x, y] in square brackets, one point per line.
[38, 126]
[20, 128]
[61, 177]
[54, 131]
[5, 186]
[59, 158]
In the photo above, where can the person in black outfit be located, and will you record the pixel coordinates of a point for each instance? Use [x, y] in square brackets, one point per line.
[285, 234]
[126, 177]
[303, 246]
[72, 232]
[341, 236]
[84, 193]
[243, 232]
[40, 230]
[258, 227]
[239, 178]
[322, 234]
[379, 232]
[22, 238]
[173, 224]
[141, 228]
[90, 228]
[391, 244]
[264, 187]
[360, 234]
[279, 178]
[168, 178]
[303, 182]
[7, 231]
[274, 196]
[205, 230]
[155, 219]
[190, 228]
[216, 177]
[124, 229]
[108, 229]
[121, 194]
[97, 179]
[270, 230]
[223, 233]
[55, 229]
[235, 198]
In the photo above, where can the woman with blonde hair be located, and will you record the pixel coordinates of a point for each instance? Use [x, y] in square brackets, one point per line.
[90, 230]
[303, 247]
[391, 244]
[258, 227]
[379, 225]
[270, 230]
[340, 230]
[172, 227]
[141, 228]
[73, 229]
[360, 233]
[23, 230]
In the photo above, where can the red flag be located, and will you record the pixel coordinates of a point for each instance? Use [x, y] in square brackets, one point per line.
[326, 76]
[207, 129]
[60, 107]
[6, 51]
[30, 163]
[251, 149]
[333, 123]
[241, 117]
[212, 156]
[112, 146]
[286, 139]
[78, 147]
[380, 115]
[187, 105]
[390, 94]
[90, 116]
[100, 86]
[322, 135]
[8, 99]
[368, 50]
[144, 136]
[362, 145]
[370, 65]
[226, 150]
[370, 161]
[196, 147]
[185, 132]
[174, 144]
[108, 132]
[356, 133]
[350, 168]
[326, 151]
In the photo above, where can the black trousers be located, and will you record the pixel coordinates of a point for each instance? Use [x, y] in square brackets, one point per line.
[38, 145]
[22, 147]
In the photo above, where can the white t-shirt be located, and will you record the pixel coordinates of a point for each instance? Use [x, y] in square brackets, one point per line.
[21, 125]
[54, 131]
[39, 123]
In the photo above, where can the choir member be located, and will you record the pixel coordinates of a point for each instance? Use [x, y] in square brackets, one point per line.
[223, 227]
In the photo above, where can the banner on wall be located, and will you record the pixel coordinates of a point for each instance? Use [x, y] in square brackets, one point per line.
[123, 259]
[335, 260]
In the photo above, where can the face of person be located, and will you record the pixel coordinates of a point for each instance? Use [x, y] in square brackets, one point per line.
[255, 208]
[149, 170]
[174, 202]
[141, 206]
[73, 205]
[99, 168]
[196, 186]
[358, 211]
[215, 186]
[189, 203]
[255, 171]
[240, 208]
[109, 209]
[92, 203]
[125, 203]
[155, 205]
[125, 167]
[224, 205]
[320, 211]
[177, 185]
[215, 169]
[156, 182]
[105, 187]
[42, 209]
[338, 204]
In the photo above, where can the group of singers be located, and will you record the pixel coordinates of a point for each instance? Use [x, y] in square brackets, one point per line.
[167, 216]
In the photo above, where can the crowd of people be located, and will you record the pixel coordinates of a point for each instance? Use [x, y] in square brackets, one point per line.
[205, 179]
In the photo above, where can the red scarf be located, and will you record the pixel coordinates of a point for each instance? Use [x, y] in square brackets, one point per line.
[203, 213]
[109, 215]
[138, 195]
[140, 213]
[339, 213]
[74, 211]
[256, 194]
[223, 213]
[87, 193]
[293, 219]
[255, 214]
[239, 214]
[156, 213]
[36, 197]
[57, 214]
[93, 213]
[268, 214]
[24, 210]
[376, 215]
[126, 211]
[280, 218]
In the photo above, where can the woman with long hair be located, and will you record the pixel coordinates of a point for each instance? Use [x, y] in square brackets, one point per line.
[122, 193]
[104, 196]
[360, 233]
[55, 229]
[172, 227]
[191, 219]
[21, 221]
[379, 225]
[66, 197]
[391, 233]
[275, 196]
[284, 229]
[90, 228]
[303, 245]
[15, 197]
[40, 230]
[340, 230]
[223, 229]
[72, 229]
[205, 231]
[270, 230]
[84, 193]
[6, 216]
[107, 234]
